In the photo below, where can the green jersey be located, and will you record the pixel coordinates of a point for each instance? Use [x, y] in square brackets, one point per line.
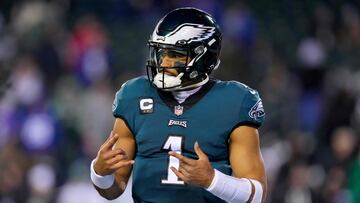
[160, 124]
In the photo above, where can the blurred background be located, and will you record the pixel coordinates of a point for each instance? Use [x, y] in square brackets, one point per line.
[61, 62]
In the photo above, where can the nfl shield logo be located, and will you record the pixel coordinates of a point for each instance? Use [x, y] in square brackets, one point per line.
[178, 110]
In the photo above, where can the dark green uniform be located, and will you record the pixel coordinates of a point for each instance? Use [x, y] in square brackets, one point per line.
[159, 124]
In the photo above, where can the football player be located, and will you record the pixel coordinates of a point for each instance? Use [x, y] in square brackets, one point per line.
[185, 136]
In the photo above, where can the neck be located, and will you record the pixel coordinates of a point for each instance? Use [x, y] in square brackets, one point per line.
[181, 96]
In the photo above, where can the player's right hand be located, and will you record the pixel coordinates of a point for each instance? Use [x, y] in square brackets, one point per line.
[109, 159]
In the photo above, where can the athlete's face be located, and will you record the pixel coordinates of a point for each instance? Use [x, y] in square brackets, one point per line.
[168, 61]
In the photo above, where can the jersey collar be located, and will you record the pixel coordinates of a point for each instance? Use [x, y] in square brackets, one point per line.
[171, 102]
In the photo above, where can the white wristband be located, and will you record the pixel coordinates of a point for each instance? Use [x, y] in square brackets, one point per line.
[233, 189]
[103, 182]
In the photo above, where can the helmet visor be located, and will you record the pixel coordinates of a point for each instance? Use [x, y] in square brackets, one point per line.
[179, 56]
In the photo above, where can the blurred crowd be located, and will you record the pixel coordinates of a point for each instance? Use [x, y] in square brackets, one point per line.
[61, 61]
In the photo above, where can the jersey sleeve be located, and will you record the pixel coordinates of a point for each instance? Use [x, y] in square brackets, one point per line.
[252, 110]
[122, 106]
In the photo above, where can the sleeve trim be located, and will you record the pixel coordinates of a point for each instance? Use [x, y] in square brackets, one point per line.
[244, 123]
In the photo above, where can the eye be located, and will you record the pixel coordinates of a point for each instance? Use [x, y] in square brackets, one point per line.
[171, 53]
[180, 64]
[178, 53]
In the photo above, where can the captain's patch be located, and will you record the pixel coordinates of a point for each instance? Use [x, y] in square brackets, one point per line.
[146, 105]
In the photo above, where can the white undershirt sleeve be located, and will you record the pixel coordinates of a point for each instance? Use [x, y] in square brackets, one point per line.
[237, 190]
[103, 182]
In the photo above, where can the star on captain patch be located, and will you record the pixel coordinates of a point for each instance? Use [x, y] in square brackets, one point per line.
[178, 110]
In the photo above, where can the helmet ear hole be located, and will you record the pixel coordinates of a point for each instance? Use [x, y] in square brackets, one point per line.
[193, 74]
[199, 49]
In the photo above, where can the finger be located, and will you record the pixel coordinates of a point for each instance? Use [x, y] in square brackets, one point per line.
[110, 136]
[122, 164]
[199, 152]
[185, 167]
[112, 153]
[110, 143]
[186, 170]
[116, 159]
[178, 173]
[182, 158]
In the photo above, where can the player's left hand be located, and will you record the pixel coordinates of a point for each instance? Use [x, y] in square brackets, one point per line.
[196, 172]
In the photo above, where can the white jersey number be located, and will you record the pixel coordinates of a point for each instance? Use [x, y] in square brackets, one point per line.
[173, 143]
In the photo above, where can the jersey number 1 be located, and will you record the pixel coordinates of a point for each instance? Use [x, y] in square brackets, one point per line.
[173, 143]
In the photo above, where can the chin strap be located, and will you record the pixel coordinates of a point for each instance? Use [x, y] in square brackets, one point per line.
[172, 83]
[196, 84]
[162, 80]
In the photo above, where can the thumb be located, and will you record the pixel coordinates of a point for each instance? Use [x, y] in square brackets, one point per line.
[199, 152]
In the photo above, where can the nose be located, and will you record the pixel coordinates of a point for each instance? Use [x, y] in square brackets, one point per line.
[167, 62]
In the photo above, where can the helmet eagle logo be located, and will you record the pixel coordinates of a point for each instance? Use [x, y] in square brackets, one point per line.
[257, 110]
[186, 32]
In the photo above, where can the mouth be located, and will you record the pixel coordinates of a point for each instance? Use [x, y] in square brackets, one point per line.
[169, 73]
